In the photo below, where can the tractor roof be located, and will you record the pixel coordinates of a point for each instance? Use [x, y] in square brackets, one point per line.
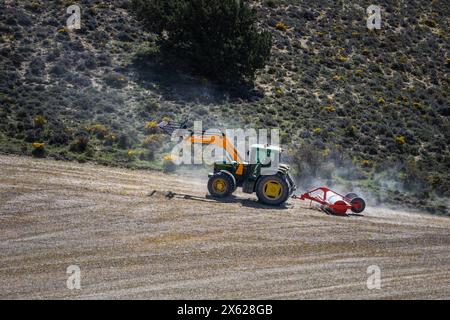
[265, 146]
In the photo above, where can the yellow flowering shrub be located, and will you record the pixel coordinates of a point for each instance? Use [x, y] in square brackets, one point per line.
[38, 149]
[342, 58]
[39, 121]
[279, 92]
[132, 153]
[38, 145]
[281, 26]
[400, 140]
[151, 127]
[366, 163]
[168, 164]
[151, 140]
[98, 129]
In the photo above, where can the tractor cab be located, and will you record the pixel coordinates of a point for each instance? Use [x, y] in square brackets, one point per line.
[263, 154]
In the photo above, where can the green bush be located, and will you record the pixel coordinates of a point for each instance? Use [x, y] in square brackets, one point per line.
[168, 164]
[38, 150]
[80, 144]
[218, 39]
[115, 80]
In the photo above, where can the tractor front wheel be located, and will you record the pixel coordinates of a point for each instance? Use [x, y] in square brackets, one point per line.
[272, 190]
[220, 185]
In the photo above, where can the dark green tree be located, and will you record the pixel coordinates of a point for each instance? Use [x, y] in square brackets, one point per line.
[218, 39]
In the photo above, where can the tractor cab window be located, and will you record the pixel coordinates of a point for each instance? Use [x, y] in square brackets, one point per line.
[265, 157]
[260, 155]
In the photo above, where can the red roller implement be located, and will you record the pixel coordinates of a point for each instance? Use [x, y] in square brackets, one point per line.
[333, 202]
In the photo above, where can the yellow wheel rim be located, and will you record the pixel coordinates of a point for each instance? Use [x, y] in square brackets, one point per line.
[220, 185]
[273, 189]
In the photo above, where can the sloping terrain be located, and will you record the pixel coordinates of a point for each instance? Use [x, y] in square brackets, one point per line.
[129, 245]
[378, 99]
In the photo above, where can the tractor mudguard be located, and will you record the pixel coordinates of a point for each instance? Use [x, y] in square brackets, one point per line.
[283, 168]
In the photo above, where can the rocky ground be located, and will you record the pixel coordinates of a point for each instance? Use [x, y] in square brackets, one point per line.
[129, 245]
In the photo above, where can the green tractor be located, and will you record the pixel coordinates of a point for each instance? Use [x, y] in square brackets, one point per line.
[274, 189]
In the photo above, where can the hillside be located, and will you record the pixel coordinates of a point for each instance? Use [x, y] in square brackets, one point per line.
[131, 246]
[356, 108]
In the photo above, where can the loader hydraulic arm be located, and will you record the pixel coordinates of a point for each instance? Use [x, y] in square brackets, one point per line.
[222, 142]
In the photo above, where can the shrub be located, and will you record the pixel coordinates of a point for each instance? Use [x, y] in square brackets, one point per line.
[281, 26]
[34, 6]
[32, 135]
[38, 149]
[39, 121]
[58, 70]
[366, 163]
[148, 107]
[342, 58]
[350, 131]
[218, 39]
[279, 92]
[99, 130]
[168, 164]
[123, 142]
[115, 80]
[132, 154]
[147, 155]
[80, 144]
[152, 141]
[151, 127]
[400, 140]
[58, 137]
[271, 3]
[110, 139]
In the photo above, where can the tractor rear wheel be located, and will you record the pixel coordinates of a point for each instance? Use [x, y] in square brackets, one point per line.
[220, 185]
[272, 190]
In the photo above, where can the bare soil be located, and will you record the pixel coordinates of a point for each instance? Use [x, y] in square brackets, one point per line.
[129, 245]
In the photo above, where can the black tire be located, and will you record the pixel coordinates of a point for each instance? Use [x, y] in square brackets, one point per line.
[262, 191]
[233, 189]
[217, 179]
[358, 205]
